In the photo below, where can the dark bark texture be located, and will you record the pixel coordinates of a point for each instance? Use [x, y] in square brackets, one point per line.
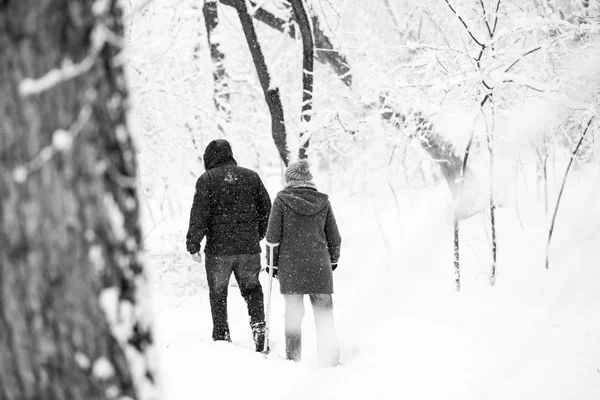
[307, 69]
[220, 77]
[456, 230]
[325, 52]
[69, 230]
[272, 96]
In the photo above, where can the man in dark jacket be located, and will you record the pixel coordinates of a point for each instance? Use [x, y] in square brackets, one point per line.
[231, 208]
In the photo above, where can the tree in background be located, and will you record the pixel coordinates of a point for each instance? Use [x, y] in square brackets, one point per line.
[73, 318]
[272, 96]
[301, 13]
[220, 77]
[505, 58]
[398, 88]
[436, 145]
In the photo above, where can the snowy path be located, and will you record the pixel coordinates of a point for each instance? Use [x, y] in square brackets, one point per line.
[403, 332]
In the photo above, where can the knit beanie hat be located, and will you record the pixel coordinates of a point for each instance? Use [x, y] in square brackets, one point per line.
[298, 171]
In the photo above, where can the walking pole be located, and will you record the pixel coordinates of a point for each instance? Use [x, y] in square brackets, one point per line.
[271, 247]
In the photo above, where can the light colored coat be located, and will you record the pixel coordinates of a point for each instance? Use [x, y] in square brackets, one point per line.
[302, 221]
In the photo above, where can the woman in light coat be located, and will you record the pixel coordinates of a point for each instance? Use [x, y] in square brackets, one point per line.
[303, 226]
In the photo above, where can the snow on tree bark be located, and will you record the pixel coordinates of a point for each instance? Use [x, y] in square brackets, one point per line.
[456, 231]
[441, 150]
[271, 93]
[220, 77]
[324, 50]
[301, 14]
[70, 232]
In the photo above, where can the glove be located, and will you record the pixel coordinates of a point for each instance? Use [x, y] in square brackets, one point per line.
[333, 266]
[197, 257]
[192, 246]
[275, 271]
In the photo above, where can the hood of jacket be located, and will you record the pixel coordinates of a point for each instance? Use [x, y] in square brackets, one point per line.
[218, 152]
[304, 201]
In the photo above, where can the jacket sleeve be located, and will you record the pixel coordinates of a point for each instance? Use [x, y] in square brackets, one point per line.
[334, 240]
[263, 208]
[199, 215]
[274, 230]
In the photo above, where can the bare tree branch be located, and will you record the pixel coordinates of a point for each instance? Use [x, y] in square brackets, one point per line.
[487, 24]
[496, 19]
[562, 188]
[521, 57]
[464, 24]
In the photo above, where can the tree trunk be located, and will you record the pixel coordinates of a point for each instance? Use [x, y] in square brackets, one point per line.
[307, 71]
[71, 324]
[272, 95]
[220, 77]
[324, 49]
[456, 230]
[562, 189]
[492, 204]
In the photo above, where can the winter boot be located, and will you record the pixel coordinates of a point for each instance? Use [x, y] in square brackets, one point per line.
[221, 335]
[258, 334]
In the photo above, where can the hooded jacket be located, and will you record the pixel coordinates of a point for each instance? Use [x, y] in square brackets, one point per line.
[231, 206]
[303, 224]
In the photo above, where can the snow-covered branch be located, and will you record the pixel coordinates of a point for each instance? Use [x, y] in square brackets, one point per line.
[62, 141]
[522, 56]
[68, 70]
[414, 46]
[562, 188]
[462, 21]
[505, 77]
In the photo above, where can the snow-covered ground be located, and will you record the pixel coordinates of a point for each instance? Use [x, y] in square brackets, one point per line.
[404, 331]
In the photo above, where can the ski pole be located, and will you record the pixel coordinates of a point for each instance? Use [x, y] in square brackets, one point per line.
[271, 247]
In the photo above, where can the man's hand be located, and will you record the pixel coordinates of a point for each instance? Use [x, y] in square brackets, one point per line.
[197, 257]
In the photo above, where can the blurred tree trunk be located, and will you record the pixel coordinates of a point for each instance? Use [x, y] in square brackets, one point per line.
[220, 77]
[307, 71]
[272, 95]
[71, 281]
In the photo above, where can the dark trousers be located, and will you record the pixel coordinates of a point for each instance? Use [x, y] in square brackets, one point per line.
[245, 268]
[327, 345]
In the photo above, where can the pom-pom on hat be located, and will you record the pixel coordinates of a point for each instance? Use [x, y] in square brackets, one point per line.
[298, 171]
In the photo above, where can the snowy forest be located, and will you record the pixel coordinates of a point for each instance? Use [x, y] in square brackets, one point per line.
[458, 141]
